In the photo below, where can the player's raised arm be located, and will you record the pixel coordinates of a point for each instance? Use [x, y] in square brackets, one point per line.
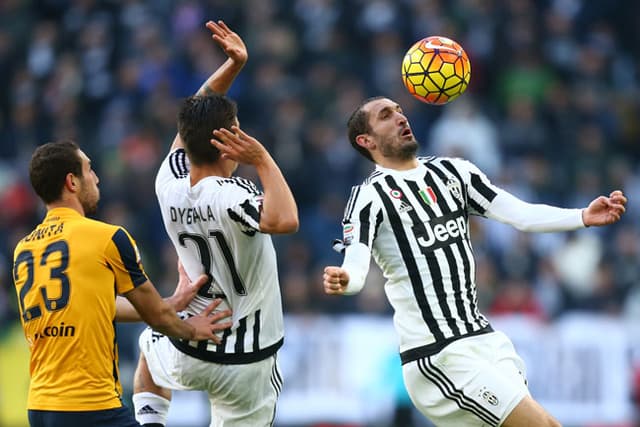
[279, 210]
[222, 78]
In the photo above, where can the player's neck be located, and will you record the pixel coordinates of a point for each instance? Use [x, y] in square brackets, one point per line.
[397, 164]
[198, 173]
[67, 202]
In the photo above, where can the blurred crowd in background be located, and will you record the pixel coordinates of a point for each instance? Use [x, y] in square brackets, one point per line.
[552, 114]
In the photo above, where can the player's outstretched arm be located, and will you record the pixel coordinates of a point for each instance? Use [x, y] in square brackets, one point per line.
[279, 210]
[605, 210]
[185, 291]
[162, 317]
[222, 78]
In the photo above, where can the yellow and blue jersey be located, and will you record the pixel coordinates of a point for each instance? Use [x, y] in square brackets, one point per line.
[67, 273]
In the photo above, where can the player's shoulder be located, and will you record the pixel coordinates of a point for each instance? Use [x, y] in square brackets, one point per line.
[178, 163]
[99, 228]
[452, 164]
[240, 184]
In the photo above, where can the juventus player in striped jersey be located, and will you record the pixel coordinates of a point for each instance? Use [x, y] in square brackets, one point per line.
[221, 225]
[412, 216]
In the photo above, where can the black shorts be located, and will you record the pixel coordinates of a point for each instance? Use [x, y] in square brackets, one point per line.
[117, 417]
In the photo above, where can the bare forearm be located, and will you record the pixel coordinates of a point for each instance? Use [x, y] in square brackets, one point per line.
[279, 209]
[125, 311]
[168, 323]
[220, 81]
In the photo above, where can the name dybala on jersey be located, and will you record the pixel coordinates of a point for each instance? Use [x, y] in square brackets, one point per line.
[67, 273]
[215, 228]
[416, 224]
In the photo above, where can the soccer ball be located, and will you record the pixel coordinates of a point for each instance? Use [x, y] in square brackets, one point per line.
[436, 70]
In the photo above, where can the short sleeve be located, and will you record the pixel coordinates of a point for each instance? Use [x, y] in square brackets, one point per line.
[246, 205]
[123, 258]
[174, 167]
[362, 216]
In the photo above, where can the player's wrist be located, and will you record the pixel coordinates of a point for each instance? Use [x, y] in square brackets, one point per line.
[583, 216]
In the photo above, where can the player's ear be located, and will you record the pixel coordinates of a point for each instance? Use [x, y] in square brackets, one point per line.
[71, 182]
[363, 140]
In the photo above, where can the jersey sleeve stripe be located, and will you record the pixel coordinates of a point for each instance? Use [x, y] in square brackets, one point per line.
[178, 163]
[128, 256]
[351, 203]
[250, 210]
[482, 188]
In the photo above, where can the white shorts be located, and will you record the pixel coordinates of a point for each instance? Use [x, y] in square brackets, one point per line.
[240, 395]
[472, 382]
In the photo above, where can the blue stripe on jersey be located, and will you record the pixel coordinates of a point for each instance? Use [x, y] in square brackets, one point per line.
[128, 256]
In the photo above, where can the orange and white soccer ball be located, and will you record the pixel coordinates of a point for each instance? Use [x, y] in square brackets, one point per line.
[436, 70]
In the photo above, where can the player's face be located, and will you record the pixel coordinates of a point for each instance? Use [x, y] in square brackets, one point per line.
[390, 130]
[89, 194]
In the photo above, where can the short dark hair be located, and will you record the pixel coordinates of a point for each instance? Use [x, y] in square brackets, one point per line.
[49, 166]
[199, 115]
[358, 124]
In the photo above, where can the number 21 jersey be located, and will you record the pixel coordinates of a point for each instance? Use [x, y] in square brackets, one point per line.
[214, 226]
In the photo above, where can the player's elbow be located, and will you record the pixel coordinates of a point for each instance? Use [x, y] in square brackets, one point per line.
[162, 319]
[283, 224]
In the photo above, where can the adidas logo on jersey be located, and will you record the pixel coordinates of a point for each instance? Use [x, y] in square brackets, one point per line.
[146, 410]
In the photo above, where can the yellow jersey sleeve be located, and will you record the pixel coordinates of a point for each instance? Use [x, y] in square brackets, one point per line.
[123, 257]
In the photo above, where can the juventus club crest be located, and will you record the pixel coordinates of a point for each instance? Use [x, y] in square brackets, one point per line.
[453, 185]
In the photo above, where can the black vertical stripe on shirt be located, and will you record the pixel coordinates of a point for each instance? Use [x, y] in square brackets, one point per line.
[256, 331]
[240, 332]
[364, 224]
[471, 296]
[202, 345]
[379, 219]
[223, 341]
[453, 261]
[410, 263]
[465, 195]
[443, 177]
[128, 256]
[432, 260]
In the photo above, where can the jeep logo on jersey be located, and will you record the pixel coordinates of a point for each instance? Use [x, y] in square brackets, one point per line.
[441, 231]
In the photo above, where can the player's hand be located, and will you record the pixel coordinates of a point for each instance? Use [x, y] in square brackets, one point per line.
[230, 42]
[186, 290]
[206, 324]
[605, 210]
[239, 146]
[335, 280]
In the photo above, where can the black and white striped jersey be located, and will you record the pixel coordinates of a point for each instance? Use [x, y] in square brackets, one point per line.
[215, 229]
[416, 224]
